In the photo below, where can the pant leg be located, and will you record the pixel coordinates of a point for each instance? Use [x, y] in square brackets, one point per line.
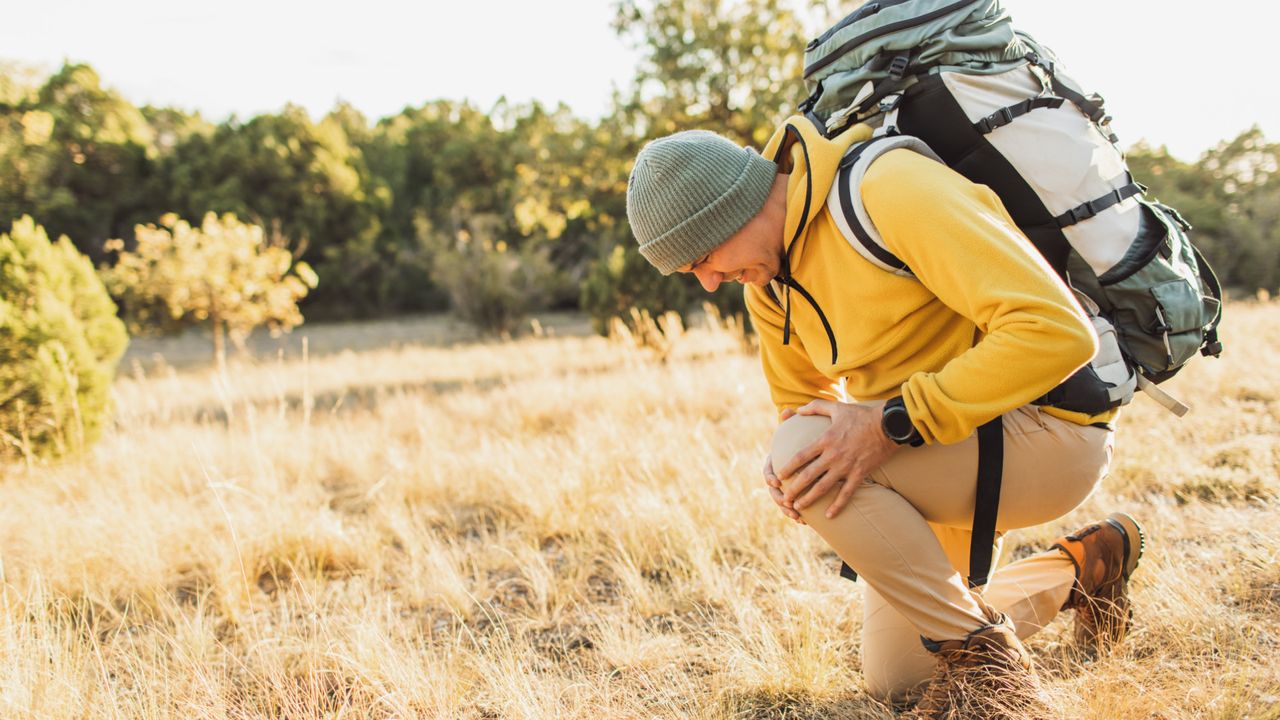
[892, 548]
[1050, 467]
[894, 661]
[1032, 591]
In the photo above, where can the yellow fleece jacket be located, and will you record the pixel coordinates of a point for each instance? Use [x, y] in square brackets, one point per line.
[985, 326]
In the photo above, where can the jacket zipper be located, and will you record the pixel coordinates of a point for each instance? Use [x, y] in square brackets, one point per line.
[873, 34]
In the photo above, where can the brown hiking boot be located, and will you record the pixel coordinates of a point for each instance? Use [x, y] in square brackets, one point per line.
[1105, 555]
[986, 675]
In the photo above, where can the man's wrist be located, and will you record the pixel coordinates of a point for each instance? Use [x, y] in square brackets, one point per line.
[896, 424]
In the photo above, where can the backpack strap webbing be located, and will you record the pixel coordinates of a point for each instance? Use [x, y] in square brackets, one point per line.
[1212, 345]
[1008, 114]
[1084, 211]
[987, 503]
[1092, 105]
[986, 507]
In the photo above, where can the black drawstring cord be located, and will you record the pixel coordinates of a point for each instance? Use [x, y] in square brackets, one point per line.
[786, 298]
[826, 324]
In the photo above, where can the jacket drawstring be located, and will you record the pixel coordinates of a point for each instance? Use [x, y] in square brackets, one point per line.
[786, 298]
[788, 282]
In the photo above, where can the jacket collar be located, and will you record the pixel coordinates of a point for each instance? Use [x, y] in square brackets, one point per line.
[800, 148]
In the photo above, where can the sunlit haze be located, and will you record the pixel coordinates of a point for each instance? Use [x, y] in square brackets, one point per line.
[1180, 74]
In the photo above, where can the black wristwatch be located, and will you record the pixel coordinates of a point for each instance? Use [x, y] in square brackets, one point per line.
[896, 423]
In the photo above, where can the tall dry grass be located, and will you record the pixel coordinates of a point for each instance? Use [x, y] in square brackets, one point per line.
[562, 528]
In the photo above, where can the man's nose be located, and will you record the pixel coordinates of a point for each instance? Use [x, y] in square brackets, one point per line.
[710, 279]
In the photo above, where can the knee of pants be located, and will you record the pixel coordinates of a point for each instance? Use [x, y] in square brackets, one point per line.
[792, 436]
[892, 689]
[895, 664]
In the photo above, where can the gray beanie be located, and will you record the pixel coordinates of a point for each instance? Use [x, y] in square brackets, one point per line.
[691, 191]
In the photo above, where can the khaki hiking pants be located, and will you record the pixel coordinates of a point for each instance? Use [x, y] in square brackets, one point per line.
[906, 532]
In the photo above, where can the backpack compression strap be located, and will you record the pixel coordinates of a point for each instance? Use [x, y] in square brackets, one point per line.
[845, 202]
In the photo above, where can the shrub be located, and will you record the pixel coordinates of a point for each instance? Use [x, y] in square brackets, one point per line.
[623, 281]
[490, 284]
[224, 273]
[60, 341]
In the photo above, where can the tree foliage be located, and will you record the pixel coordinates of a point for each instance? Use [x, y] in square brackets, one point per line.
[60, 341]
[224, 273]
[1232, 198]
[356, 194]
[733, 67]
[286, 170]
[75, 156]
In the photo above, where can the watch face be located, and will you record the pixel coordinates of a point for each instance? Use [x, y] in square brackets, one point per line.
[897, 424]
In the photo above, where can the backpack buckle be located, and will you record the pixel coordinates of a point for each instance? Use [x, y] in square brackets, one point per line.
[1082, 212]
[1097, 205]
[898, 68]
[999, 118]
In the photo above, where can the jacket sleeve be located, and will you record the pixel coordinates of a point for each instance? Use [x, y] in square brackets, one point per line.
[793, 380]
[961, 244]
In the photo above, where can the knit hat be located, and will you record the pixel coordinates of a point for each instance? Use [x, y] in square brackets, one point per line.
[691, 191]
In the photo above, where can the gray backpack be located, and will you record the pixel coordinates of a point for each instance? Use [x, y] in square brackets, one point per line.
[955, 81]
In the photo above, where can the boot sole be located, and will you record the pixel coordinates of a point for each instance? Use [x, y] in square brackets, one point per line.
[1135, 539]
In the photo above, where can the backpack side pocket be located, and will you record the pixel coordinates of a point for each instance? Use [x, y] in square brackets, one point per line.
[1157, 303]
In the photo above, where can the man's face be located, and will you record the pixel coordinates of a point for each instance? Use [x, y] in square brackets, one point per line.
[747, 256]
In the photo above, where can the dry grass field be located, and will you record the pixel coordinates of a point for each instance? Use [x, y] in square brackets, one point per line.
[561, 527]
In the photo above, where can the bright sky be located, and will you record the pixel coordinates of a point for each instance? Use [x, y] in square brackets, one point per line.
[1179, 73]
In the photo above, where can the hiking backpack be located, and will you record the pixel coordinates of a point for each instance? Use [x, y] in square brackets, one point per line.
[995, 106]
[953, 80]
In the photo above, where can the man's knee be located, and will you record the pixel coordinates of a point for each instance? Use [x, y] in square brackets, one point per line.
[792, 436]
[896, 685]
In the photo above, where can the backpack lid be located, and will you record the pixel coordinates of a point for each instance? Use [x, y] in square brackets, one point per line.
[867, 45]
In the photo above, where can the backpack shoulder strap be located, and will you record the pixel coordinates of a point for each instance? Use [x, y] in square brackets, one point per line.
[845, 201]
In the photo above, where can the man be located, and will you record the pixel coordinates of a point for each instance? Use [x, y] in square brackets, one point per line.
[983, 328]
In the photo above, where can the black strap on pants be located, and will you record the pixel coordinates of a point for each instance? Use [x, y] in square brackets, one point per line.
[987, 503]
[986, 506]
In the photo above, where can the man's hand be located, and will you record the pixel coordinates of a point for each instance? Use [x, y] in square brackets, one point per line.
[774, 484]
[845, 454]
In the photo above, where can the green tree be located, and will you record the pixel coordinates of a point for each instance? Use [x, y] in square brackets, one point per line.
[625, 280]
[434, 163]
[225, 274]
[570, 179]
[1232, 198]
[60, 341]
[731, 66]
[304, 179]
[1246, 172]
[75, 155]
